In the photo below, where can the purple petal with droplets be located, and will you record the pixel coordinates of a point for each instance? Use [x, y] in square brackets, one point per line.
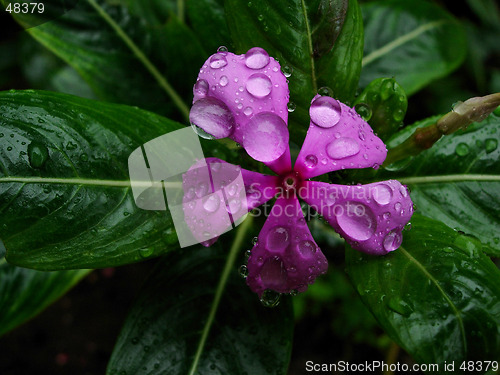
[285, 257]
[248, 85]
[370, 217]
[338, 138]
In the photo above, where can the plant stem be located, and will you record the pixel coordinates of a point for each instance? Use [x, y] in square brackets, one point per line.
[162, 81]
[228, 267]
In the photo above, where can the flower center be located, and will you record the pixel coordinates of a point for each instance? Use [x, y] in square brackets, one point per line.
[290, 182]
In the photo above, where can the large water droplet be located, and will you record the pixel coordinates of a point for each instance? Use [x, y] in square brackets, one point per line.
[259, 85]
[37, 154]
[399, 306]
[248, 111]
[211, 203]
[307, 248]
[256, 58]
[310, 161]
[357, 221]
[270, 298]
[273, 273]
[234, 205]
[382, 194]
[325, 112]
[462, 149]
[266, 137]
[291, 107]
[278, 239]
[364, 111]
[342, 148]
[213, 117]
[392, 240]
[218, 61]
[490, 145]
[200, 88]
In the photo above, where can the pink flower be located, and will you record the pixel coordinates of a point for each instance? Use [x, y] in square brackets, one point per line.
[245, 98]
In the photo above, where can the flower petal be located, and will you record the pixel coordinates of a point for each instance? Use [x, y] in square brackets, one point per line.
[285, 257]
[370, 217]
[217, 196]
[338, 138]
[245, 98]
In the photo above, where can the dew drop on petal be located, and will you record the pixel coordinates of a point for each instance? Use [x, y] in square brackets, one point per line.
[248, 111]
[213, 117]
[211, 203]
[259, 85]
[273, 273]
[310, 161]
[278, 238]
[397, 206]
[325, 112]
[386, 215]
[200, 88]
[306, 248]
[223, 81]
[256, 58]
[201, 189]
[342, 148]
[382, 194]
[357, 221]
[266, 137]
[392, 241]
[361, 135]
[222, 49]
[218, 61]
[234, 205]
[403, 191]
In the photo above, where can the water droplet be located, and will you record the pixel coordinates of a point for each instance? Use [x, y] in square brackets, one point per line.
[9, 148]
[278, 239]
[357, 221]
[361, 135]
[407, 227]
[234, 205]
[1, 135]
[270, 298]
[213, 117]
[223, 81]
[403, 191]
[392, 241]
[382, 194]
[260, 17]
[386, 215]
[310, 161]
[291, 106]
[342, 148]
[266, 137]
[259, 85]
[398, 115]
[200, 88]
[490, 145]
[364, 111]
[84, 157]
[325, 91]
[146, 252]
[218, 61]
[248, 111]
[256, 58]
[325, 112]
[248, 253]
[211, 203]
[255, 240]
[307, 248]
[397, 206]
[71, 146]
[201, 189]
[287, 71]
[462, 149]
[222, 50]
[37, 154]
[399, 306]
[243, 271]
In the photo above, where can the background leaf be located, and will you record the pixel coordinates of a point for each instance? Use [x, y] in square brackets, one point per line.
[468, 198]
[24, 293]
[75, 224]
[436, 296]
[86, 41]
[413, 41]
[162, 332]
[289, 32]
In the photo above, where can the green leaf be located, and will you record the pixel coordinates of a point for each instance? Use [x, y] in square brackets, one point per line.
[413, 41]
[290, 31]
[436, 296]
[65, 198]
[123, 58]
[457, 180]
[24, 293]
[165, 327]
